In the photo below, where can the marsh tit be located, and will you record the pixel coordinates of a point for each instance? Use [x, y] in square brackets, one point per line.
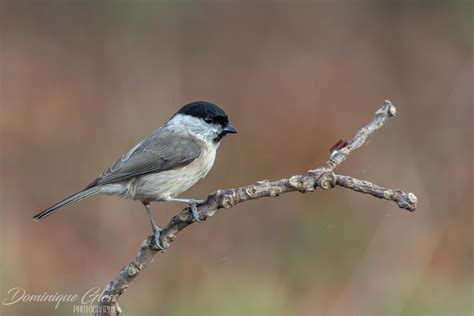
[165, 164]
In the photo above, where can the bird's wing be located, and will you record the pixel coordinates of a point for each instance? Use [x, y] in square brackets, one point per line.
[163, 150]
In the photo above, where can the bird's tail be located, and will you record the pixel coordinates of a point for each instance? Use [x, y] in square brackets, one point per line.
[69, 200]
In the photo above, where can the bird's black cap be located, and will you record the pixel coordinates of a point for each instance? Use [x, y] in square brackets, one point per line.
[209, 112]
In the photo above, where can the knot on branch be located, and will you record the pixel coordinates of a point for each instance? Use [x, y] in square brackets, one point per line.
[184, 216]
[412, 198]
[302, 183]
[324, 178]
[387, 109]
[327, 180]
[251, 191]
[133, 268]
[107, 300]
[223, 198]
[228, 200]
[296, 182]
[407, 201]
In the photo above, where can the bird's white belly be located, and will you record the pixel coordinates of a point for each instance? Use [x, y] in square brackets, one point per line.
[166, 184]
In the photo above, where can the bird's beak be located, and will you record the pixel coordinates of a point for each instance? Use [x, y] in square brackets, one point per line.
[229, 129]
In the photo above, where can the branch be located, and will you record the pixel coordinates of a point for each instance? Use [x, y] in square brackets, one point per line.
[381, 116]
[404, 200]
[323, 178]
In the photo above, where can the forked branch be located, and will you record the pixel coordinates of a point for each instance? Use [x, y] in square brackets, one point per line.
[323, 177]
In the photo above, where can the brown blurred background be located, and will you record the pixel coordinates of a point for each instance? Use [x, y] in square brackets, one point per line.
[83, 81]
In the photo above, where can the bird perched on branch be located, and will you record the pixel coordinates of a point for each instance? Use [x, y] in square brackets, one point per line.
[165, 164]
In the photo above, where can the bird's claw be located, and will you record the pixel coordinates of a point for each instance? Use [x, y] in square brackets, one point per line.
[156, 239]
[192, 205]
[194, 211]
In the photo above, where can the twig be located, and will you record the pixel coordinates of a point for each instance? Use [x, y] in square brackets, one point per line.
[323, 178]
[381, 116]
[404, 200]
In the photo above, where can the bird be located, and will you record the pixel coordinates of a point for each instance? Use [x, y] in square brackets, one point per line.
[165, 164]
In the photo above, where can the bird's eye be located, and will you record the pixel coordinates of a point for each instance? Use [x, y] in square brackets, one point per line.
[208, 120]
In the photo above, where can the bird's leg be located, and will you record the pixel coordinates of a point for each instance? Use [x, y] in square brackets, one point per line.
[156, 229]
[192, 204]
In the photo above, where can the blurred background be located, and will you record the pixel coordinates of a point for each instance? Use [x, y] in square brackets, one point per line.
[83, 81]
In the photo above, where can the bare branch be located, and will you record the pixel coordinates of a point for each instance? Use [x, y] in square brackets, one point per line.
[323, 178]
[381, 116]
[404, 200]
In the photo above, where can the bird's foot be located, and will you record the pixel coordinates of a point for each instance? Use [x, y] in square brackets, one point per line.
[194, 211]
[156, 238]
[192, 205]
